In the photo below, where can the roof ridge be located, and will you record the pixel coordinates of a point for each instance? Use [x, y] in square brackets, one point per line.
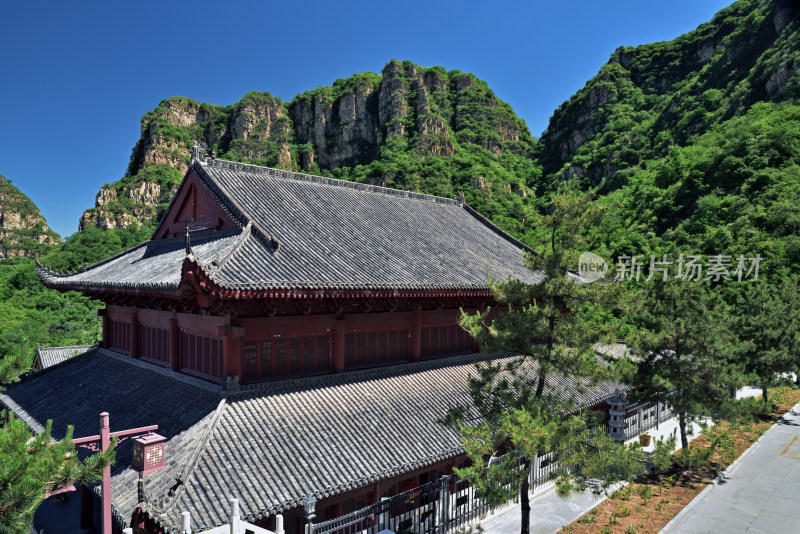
[191, 464]
[499, 231]
[223, 256]
[325, 180]
[63, 347]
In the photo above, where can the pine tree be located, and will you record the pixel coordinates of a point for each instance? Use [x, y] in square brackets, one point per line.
[548, 328]
[32, 465]
[685, 348]
[767, 323]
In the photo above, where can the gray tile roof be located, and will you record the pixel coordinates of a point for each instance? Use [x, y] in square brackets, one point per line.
[269, 444]
[154, 264]
[77, 391]
[48, 356]
[303, 231]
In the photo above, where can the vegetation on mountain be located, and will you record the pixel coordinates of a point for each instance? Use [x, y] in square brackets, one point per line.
[23, 230]
[415, 128]
[694, 139]
[31, 314]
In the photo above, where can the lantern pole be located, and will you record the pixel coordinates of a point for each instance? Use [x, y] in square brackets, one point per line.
[309, 507]
[104, 440]
[105, 493]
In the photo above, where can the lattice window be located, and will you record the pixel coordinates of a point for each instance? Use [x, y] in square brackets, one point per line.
[291, 356]
[265, 360]
[393, 349]
[308, 355]
[372, 348]
[202, 354]
[350, 351]
[444, 341]
[120, 336]
[154, 343]
[383, 341]
[363, 349]
[322, 362]
[295, 366]
[280, 357]
[250, 360]
[402, 345]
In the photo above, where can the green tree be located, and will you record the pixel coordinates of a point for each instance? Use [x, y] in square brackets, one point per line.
[767, 322]
[33, 465]
[550, 331]
[684, 348]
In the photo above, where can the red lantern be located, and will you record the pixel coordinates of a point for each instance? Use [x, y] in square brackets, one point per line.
[148, 453]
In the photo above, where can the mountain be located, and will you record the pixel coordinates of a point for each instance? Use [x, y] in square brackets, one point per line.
[649, 98]
[695, 141]
[415, 128]
[23, 230]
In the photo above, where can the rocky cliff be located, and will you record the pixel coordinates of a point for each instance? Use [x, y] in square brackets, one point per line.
[649, 98]
[23, 230]
[391, 123]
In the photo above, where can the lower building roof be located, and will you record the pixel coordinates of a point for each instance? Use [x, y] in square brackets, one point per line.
[49, 356]
[269, 444]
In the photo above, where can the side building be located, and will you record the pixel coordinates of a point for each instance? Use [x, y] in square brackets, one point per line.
[291, 335]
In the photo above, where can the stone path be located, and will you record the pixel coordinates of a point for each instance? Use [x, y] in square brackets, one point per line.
[760, 495]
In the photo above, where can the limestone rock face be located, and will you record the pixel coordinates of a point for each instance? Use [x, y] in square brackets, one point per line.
[260, 118]
[146, 193]
[427, 111]
[106, 195]
[22, 227]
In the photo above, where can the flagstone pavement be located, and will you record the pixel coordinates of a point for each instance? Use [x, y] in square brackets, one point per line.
[760, 495]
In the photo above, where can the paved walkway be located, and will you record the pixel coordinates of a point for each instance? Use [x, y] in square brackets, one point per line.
[549, 512]
[762, 492]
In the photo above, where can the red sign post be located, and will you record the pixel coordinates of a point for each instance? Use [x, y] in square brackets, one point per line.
[144, 434]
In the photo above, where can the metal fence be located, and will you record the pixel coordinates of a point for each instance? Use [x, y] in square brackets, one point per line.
[440, 506]
[445, 505]
[644, 416]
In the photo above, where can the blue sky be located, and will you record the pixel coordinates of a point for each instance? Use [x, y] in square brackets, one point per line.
[76, 77]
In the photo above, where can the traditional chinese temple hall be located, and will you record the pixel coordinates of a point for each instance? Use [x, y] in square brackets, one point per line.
[291, 336]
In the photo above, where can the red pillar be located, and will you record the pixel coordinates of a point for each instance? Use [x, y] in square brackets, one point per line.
[232, 354]
[337, 361]
[106, 327]
[87, 509]
[135, 353]
[175, 345]
[105, 441]
[232, 347]
[415, 341]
